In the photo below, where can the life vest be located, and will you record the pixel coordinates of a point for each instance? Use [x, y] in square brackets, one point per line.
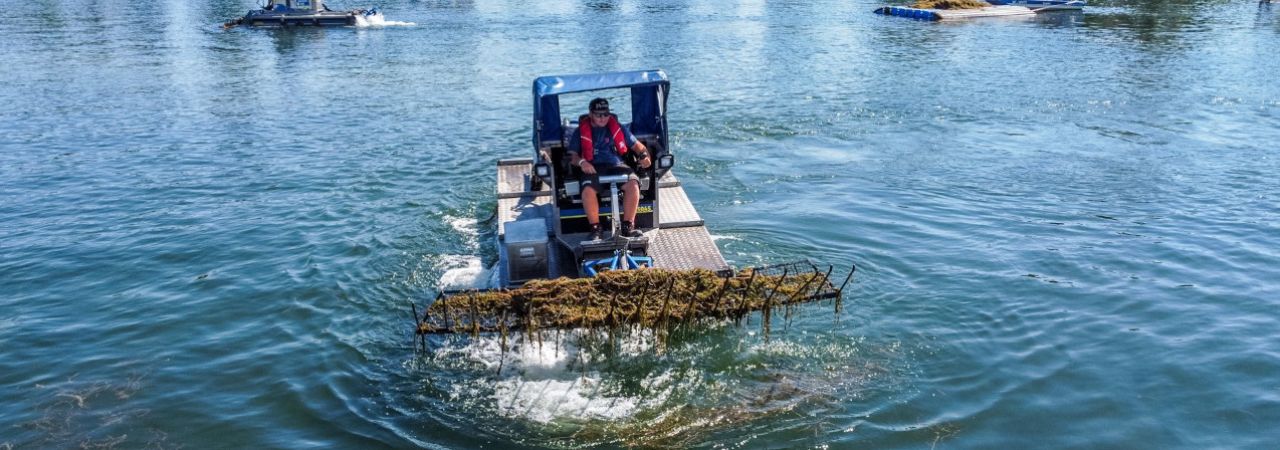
[584, 133]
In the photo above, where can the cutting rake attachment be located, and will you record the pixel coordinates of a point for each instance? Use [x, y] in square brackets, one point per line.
[650, 298]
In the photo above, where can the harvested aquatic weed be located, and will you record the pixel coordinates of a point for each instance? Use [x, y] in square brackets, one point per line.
[649, 298]
[950, 4]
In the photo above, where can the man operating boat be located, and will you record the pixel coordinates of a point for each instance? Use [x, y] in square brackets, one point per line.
[598, 147]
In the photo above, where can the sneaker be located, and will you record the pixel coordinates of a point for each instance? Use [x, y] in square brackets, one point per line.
[627, 231]
[596, 233]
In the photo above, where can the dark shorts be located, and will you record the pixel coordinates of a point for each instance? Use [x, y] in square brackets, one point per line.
[620, 169]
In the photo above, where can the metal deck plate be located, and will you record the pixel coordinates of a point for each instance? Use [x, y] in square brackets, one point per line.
[513, 178]
[522, 208]
[687, 248]
[668, 180]
[675, 210]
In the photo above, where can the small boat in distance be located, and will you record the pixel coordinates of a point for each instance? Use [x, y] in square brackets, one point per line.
[281, 13]
[1043, 5]
[994, 8]
[955, 14]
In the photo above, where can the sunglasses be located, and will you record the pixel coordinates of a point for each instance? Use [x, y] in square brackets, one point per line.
[600, 115]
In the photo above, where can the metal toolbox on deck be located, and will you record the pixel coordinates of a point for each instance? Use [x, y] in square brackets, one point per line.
[526, 245]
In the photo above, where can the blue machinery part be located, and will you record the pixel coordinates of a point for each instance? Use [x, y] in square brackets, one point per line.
[621, 260]
[913, 13]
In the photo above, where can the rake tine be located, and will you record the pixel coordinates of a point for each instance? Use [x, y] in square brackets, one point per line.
[422, 335]
[613, 304]
[671, 281]
[535, 330]
[502, 351]
[586, 303]
[720, 295]
[743, 302]
[448, 316]
[792, 299]
[631, 317]
[640, 303]
[766, 319]
[529, 322]
[818, 290]
[769, 299]
[427, 312]
[413, 307]
[613, 325]
[475, 317]
[693, 301]
[665, 315]
[852, 268]
[840, 292]
[416, 324]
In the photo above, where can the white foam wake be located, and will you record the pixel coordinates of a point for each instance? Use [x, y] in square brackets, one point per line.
[468, 227]
[545, 383]
[463, 272]
[378, 21]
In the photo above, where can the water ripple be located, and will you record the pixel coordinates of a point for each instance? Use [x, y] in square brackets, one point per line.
[226, 228]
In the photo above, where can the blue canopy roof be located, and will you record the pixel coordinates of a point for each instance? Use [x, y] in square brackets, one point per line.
[566, 84]
[648, 100]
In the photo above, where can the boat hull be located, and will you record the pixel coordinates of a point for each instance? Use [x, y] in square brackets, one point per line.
[955, 14]
[262, 18]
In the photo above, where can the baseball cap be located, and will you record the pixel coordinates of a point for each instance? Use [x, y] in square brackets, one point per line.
[599, 105]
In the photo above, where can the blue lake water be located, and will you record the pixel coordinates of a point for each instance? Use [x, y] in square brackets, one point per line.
[1066, 227]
